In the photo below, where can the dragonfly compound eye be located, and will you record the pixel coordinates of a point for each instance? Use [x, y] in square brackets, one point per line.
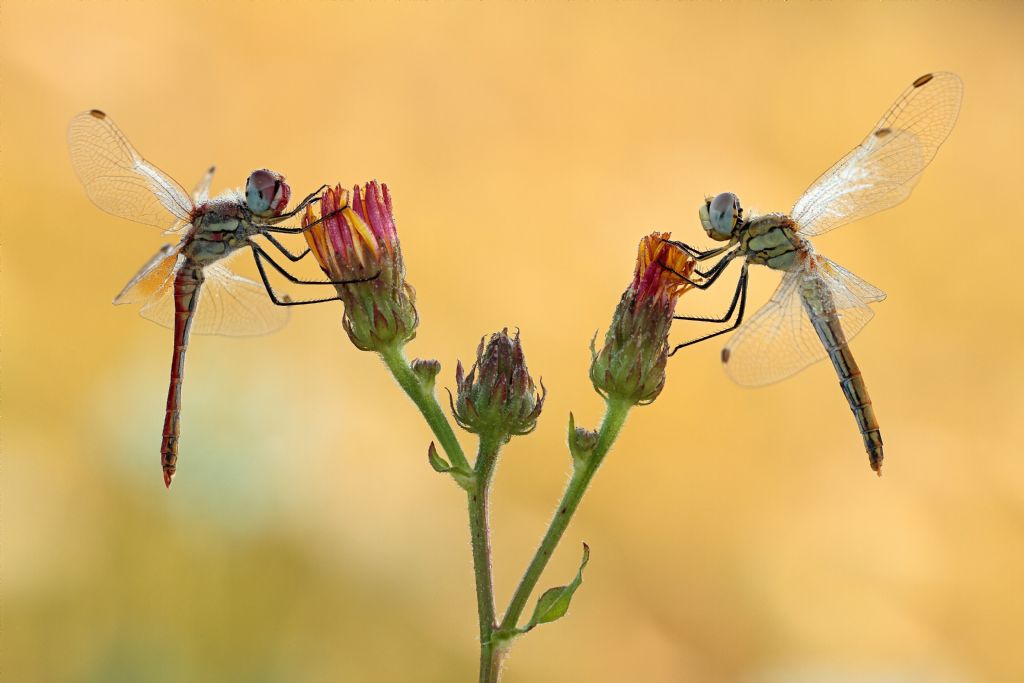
[719, 216]
[267, 193]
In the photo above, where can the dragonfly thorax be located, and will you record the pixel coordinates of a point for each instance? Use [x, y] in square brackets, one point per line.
[220, 227]
[771, 240]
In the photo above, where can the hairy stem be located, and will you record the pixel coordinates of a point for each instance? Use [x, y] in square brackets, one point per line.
[394, 358]
[495, 639]
[486, 459]
[477, 490]
[614, 418]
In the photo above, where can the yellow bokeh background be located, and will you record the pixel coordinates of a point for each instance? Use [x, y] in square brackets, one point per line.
[737, 535]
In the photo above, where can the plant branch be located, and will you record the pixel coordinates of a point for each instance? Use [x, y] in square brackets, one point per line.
[486, 459]
[614, 418]
[394, 358]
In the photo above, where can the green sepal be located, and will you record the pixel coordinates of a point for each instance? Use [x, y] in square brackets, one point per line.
[554, 603]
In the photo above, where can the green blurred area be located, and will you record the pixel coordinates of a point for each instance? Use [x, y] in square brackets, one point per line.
[737, 535]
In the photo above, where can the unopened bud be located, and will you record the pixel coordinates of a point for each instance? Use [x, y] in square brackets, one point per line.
[426, 371]
[631, 365]
[497, 397]
[581, 441]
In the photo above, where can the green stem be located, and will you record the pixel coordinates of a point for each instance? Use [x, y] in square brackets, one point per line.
[486, 459]
[614, 418]
[394, 358]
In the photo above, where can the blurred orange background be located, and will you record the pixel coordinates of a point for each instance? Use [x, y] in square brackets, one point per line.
[737, 535]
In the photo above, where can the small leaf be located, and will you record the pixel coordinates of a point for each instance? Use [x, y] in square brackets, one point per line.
[436, 461]
[554, 603]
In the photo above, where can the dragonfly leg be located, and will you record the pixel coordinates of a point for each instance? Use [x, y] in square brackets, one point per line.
[260, 254]
[284, 301]
[709, 277]
[732, 305]
[697, 253]
[284, 250]
[268, 228]
[715, 271]
[310, 198]
[739, 298]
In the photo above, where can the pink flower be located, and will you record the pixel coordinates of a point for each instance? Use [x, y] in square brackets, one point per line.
[358, 239]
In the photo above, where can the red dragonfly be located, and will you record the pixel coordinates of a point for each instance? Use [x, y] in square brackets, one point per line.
[186, 286]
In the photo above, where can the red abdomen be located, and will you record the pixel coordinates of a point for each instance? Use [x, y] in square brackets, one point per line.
[186, 294]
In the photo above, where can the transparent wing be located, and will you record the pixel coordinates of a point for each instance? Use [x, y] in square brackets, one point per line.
[201, 192]
[778, 341]
[848, 290]
[229, 305]
[158, 272]
[881, 172]
[117, 179]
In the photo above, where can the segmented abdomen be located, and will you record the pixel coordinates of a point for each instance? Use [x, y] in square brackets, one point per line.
[830, 332]
[186, 294]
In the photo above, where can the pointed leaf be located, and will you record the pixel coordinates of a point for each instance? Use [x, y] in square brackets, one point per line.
[436, 461]
[554, 603]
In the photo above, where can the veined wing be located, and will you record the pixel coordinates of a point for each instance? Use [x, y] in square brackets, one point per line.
[778, 341]
[229, 305]
[200, 193]
[881, 172]
[117, 178]
[152, 277]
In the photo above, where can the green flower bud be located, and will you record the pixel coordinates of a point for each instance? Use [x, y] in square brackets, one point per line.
[631, 364]
[426, 371]
[581, 441]
[497, 397]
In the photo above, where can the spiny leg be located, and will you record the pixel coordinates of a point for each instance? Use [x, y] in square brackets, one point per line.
[728, 313]
[739, 296]
[260, 253]
[709, 277]
[718, 267]
[699, 255]
[286, 301]
[310, 198]
[716, 270]
[284, 250]
[266, 228]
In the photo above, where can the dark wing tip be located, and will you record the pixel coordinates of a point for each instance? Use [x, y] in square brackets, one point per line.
[97, 114]
[882, 132]
[923, 79]
[725, 355]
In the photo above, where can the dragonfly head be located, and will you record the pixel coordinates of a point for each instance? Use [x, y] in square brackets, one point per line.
[266, 193]
[720, 216]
